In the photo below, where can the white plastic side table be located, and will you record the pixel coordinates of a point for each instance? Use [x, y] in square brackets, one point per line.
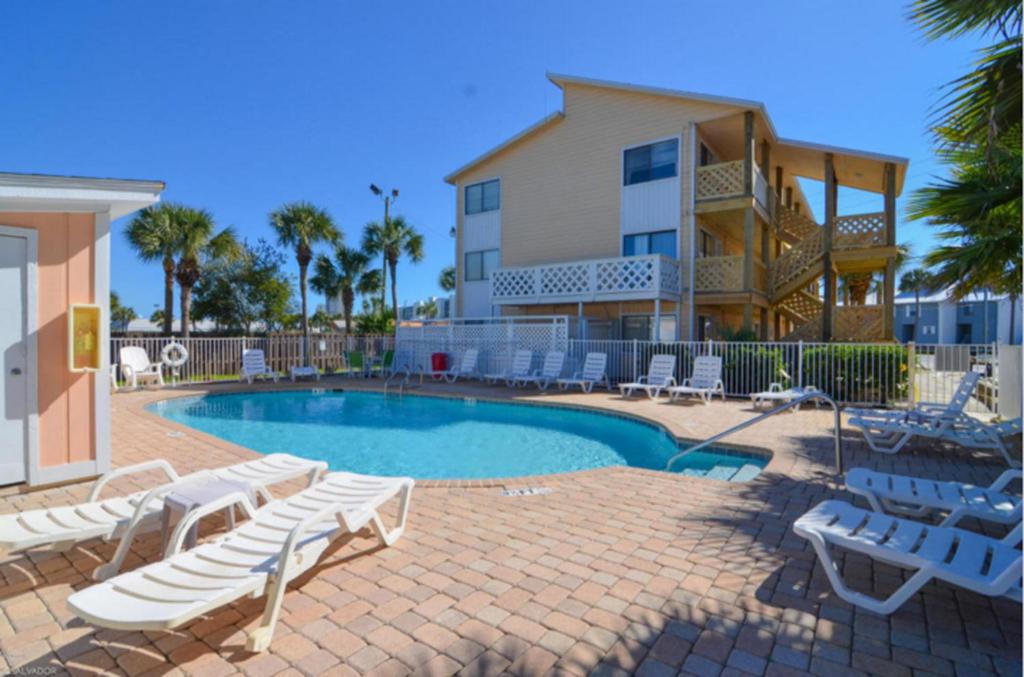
[196, 495]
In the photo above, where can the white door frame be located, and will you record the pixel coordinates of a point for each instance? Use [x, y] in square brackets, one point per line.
[31, 238]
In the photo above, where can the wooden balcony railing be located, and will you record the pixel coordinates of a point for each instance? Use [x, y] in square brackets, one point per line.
[725, 274]
[618, 279]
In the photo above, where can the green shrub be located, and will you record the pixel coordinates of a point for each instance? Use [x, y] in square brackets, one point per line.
[852, 373]
[752, 369]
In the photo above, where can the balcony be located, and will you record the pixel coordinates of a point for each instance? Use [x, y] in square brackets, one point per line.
[630, 278]
[724, 274]
[724, 180]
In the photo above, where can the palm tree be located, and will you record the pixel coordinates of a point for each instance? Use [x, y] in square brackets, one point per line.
[447, 279]
[301, 225]
[916, 280]
[349, 277]
[392, 240]
[196, 244]
[152, 234]
[428, 309]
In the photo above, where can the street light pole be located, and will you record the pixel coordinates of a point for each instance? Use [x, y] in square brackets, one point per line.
[388, 199]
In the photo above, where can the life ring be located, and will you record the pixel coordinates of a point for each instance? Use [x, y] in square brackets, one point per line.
[174, 354]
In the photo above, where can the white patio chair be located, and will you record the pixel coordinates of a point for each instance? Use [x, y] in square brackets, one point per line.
[466, 368]
[254, 365]
[137, 369]
[521, 363]
[978, 563]
[284, 539]
[554, 362]
[593, 373]
[919, 497]
[927, 411]
[890, 435]
[60, 527]
[776, 394]
[660, 375]
[705, 382]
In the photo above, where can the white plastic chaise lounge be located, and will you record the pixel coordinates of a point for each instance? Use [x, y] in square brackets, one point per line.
[978, 563]
[927, 411]
[660, 375]
[593, 373]
[59, 528]
[705, 382]
[521, 363]
[136, 368]
[777, 394]
[254, 365]
[918, 497]
[549, 372]
[466, 367]
[281, 541]
[890, 435]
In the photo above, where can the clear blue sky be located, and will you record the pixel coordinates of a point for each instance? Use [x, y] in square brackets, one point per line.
[241, 106]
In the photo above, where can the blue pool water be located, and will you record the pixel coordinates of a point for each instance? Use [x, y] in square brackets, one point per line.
[440, 438]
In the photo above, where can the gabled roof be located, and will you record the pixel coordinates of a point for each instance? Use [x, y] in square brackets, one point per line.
[544, 123]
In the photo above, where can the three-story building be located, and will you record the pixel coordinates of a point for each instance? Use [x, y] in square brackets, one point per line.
[660, 214]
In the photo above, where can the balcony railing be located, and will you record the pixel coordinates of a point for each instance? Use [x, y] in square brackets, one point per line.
[725, 179]
[725, 274]
[627, 278]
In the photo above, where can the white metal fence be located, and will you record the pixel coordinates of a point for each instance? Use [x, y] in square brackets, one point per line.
[215, 359]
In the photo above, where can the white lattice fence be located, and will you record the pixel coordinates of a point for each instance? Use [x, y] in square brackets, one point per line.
[724, 179]
[565, 279]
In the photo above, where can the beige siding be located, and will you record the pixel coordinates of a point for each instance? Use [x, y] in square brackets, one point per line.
[561, 187]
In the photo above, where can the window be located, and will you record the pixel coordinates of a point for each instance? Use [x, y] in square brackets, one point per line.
[651, 162]
[480, 265]
[641, 327]
[661, 242]
[706, 245]
[483, 197]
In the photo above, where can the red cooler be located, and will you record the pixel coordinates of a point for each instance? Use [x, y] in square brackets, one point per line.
[438, 362]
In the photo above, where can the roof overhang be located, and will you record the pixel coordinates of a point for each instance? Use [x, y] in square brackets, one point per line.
[544, 123]
[859, 169]
[47, 193]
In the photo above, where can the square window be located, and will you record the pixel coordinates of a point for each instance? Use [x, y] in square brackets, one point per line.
[483, 197]
[651, 162]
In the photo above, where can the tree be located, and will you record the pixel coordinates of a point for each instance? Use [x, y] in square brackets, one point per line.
[198, 246]
[153, 236]
[916, 280]
[346, 275]
[391, 240]
[120, 316]
[323, 321]
[301, 226]
[157, 317]
[428, 309]
[251, 289]
[447, 279]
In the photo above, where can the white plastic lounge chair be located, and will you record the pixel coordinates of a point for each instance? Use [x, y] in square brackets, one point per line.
[59, 528]
[918, 497]
[521, 363]
[466, 367]
[283, 539]
[979, 563]
[660, 375]
[554, 361]
[928, 410]
[705, 382]
[254, 365]
[136, 368]
[297, 372]
[890, 435]
[593, 373]
[776, 394]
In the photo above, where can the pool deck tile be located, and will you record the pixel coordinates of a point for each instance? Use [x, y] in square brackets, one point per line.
[616, 571]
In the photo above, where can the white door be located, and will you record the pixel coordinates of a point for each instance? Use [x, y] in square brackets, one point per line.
[13, 354]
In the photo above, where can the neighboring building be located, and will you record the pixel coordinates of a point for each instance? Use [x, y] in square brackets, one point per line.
[976, 318]
[665, 214]
[414, 311]
[55, 273]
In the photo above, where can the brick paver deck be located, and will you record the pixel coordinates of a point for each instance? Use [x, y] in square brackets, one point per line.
[617, 571]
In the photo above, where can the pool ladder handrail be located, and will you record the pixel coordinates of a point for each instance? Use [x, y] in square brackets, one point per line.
[815, 395]
[406, 373]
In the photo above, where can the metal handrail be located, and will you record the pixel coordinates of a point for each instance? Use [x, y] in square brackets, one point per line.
[783, 407]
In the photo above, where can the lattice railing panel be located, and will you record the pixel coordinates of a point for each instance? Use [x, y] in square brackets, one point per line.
[599, 279]
[802, 305]
[626, 274]
[793, 224]
[513, 283]
[565, 279]
[794, 263]
[718, 273]
[724, 179]
[671, 280]
[859, 231]
[858, 323]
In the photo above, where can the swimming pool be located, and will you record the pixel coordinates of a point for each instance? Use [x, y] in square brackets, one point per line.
[441, 438]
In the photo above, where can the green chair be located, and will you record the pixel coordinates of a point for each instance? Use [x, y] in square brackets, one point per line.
[356, 363]
[387, 363]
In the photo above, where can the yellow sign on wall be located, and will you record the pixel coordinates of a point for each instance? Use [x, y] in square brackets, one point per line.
[84, 338]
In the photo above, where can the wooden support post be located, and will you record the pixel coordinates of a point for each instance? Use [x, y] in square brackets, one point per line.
[748, 153]
[766, 160]
[828, 308]
[778, 183]
[789, 196]
[889, 283]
